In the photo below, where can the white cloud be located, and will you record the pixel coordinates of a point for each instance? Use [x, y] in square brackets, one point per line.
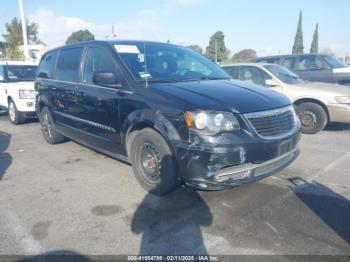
[169, 6]
[55, 29]
[185, 2]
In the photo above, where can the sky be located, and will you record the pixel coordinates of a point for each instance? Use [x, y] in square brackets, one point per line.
[268, 26]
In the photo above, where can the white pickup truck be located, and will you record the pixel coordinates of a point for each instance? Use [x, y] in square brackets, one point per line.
[17, 94]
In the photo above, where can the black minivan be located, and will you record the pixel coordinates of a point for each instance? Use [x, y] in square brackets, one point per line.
[313, 67]
[177, 117]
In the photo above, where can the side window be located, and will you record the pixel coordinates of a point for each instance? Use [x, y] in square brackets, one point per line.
[232, 71]
[288, 62]
[2, 78]
[47, 65]
[253, 75]
[98, 60]
[68, 64]
[309, 63]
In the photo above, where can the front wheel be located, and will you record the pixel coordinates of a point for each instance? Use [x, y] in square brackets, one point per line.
[15, 116]
[48, 128]
[312, 116]
[152, 162]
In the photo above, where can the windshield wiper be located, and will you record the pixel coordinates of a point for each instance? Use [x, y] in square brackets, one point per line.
[21, 80]
[203, 78]
[290, 76]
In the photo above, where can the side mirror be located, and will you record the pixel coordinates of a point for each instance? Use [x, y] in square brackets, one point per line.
[271, 83]
[42, 75]
[107, 79]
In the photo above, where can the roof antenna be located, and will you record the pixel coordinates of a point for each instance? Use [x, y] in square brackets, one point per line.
[145, 62]
[146, 74]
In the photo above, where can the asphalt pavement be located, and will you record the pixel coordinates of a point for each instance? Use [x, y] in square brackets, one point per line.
[69, 198]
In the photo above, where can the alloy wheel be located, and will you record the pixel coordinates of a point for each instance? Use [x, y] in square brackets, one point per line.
[46, 125]
[12, 111]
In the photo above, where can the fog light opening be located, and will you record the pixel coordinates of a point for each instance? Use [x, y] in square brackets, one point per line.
[235, 176]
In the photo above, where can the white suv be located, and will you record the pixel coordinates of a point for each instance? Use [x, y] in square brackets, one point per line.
[17, 95]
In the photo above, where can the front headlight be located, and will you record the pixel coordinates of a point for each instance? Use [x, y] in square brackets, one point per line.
[26, 94]
[296, 118]
[211, 122]
[342, 99]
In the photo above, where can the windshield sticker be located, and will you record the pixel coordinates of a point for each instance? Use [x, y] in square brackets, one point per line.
[141, 58]
[127, 49]
[144, 75]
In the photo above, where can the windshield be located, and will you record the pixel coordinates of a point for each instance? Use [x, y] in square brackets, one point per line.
[333, 62]
[156, 62]
[284, 74]
[16, 73]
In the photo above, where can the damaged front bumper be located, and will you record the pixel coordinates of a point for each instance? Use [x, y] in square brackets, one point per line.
[231, 160]
[238, 175]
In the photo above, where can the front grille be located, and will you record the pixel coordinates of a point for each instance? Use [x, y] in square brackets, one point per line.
[274, 123]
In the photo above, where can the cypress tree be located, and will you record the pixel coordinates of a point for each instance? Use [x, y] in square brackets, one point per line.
[298, 47]
[314, 45]
[217, 46]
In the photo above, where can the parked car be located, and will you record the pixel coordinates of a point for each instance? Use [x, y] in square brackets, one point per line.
[17, 90]
[313, 67]
[317, 104]
[174, 115]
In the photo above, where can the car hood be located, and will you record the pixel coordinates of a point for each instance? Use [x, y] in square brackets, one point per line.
[225, 94]
[28, 85]
[326, 88]
[342, 70]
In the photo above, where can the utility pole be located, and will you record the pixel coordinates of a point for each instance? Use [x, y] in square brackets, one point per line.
[216, 51]
[114, 35]
[24, 32]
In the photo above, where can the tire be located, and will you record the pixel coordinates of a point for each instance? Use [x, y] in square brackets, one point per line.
[312, 116]
[152, 162]
[16, 117]
[48, 128]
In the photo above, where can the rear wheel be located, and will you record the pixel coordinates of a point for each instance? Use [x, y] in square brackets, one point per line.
[15, 116]
[312, 116]
[48, 128]
[152, 162]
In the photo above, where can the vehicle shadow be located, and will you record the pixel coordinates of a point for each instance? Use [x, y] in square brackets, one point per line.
[59, 255]
[337, 127]
[331, 207]
[5, 158]
[171, 224]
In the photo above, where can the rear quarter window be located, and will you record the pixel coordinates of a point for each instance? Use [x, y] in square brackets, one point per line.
[272, 60]
[2, 76]
[68, 64]
[47, 65]
[288, 62]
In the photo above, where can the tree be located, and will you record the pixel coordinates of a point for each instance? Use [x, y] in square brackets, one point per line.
[298, 47]
[217, 48]
[78, 36]
[245, 55]
[196, 48]
[314, 45]
[14, 37]
[2, 49]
